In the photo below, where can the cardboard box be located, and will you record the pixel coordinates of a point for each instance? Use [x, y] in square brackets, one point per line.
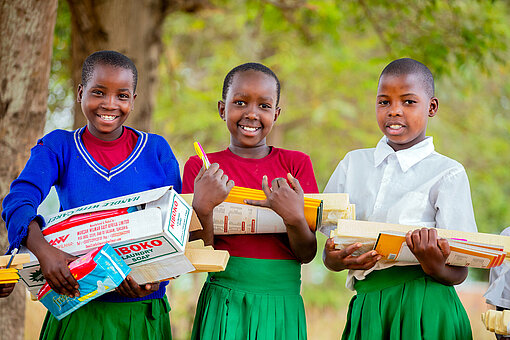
[150, 240]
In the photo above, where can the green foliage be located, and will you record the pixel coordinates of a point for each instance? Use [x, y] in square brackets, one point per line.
[441, 33]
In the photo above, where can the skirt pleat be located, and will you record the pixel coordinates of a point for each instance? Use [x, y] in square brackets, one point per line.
[252, 299]
[417, 307]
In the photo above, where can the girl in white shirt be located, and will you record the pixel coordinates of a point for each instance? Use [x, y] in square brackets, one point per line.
[403, 180]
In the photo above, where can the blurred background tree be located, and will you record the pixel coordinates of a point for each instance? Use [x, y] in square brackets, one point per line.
[328, 55]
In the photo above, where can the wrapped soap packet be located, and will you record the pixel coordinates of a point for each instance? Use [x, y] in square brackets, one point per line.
[97, 272]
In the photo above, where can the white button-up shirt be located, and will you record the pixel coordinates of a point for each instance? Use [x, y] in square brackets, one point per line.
[415, 186]
[498, 293]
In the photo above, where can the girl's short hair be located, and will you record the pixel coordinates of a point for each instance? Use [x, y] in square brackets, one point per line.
[245, 67]
[112, 58]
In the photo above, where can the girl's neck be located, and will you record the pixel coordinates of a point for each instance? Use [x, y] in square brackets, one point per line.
[257, 152]
[106, 137]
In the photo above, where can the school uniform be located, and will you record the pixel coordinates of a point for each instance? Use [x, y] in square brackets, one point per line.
[258, 295]
[61, 159]
[416, 186]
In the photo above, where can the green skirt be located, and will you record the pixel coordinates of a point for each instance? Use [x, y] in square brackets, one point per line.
[252, 299]
[146, 319]
[405, 303]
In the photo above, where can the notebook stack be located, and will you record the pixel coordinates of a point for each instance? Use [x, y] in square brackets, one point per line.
[9, 272]
[233, 216]
[467, 249]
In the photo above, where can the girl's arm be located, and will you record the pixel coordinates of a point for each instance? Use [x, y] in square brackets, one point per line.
[54, 262]
[288, 202]
[211, 188]
[28, 191]
[432, 253]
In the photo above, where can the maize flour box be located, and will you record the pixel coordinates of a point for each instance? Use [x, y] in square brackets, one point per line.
[98, 272]
[149, 230]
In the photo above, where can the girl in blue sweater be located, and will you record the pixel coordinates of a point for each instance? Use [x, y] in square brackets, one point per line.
[99, 161]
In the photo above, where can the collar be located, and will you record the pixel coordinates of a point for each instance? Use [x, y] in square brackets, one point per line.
[407, 157]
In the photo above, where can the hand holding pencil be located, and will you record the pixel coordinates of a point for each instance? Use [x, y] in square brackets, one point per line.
[211, 187]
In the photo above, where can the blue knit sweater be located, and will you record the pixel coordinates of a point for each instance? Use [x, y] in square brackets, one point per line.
[60, 159]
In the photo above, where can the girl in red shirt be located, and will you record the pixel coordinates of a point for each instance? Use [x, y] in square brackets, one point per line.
[258, 295]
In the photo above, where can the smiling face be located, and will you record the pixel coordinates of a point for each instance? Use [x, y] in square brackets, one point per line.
[403, 108]
[250, 111]
[106, 100]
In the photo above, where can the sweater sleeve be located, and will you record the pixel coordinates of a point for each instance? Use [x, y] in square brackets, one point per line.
[27, 192]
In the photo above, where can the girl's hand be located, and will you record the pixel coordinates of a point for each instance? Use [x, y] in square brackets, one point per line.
[432, 253]
[6, 289]
[129, 288]
[55, 269]
[211, 188]
[288, 202]
[54, 262]
[340, 259]
[284, 199]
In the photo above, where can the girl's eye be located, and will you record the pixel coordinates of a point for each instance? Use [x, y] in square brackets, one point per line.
[383, 102]
[123, 96]
[239, 102]
[97, 92]
[409, 101]
[265, 106]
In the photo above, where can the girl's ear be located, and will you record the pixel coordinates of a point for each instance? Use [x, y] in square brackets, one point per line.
[133, 102]
[221, 109]
[79, 93]
[433, 106]
[277, 113]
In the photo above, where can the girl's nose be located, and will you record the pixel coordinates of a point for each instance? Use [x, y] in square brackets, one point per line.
[395, 110]
[109, 103]
[251, 113]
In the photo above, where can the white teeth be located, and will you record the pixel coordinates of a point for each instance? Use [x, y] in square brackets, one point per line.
[108, 117]
[247, 128]
[395, 126]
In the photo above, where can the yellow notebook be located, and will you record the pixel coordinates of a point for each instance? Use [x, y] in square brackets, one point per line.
[312, 209]
[9, 275]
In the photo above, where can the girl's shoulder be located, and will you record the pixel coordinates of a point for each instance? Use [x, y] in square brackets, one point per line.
[358, 157]
[58, 136]
[58, 140]
[291, 154]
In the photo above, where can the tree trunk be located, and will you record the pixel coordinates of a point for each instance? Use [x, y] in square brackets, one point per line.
[131, 27]
[26, 45]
